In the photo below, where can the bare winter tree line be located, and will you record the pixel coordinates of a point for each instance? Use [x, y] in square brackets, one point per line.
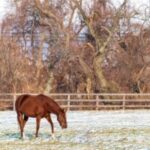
[74, 46]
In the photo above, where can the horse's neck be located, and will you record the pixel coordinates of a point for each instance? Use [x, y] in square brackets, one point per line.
[56, 109]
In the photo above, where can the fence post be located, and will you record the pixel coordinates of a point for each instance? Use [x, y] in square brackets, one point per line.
[14, 100]
[124, 103]
[97, 102]
[68, 102]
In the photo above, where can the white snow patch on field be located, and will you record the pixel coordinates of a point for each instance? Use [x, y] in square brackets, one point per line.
[93, 130]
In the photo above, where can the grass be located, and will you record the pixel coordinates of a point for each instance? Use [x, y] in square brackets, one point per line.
[114, 139]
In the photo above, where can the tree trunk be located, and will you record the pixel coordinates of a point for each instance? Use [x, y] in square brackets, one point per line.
[89, 76]
[51, 84]
[99, 73]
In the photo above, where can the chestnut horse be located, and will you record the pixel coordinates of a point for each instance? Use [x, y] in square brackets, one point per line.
[39, 106]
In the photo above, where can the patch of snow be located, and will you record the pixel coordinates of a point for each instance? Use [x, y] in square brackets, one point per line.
[87, 130]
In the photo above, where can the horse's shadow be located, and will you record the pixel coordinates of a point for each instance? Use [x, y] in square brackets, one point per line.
[10, 136]
[28, 136]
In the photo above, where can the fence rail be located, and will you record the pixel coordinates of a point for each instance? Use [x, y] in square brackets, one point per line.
[83, 101]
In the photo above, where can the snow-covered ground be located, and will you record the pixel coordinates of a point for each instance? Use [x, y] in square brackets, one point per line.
[93, 130]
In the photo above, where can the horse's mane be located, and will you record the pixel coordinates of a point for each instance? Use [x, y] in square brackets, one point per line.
[50, 101]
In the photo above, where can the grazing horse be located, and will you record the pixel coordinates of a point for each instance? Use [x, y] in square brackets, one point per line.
[39, 106]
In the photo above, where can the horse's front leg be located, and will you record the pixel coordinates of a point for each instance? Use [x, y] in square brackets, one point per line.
[38, 118]
[48, 117]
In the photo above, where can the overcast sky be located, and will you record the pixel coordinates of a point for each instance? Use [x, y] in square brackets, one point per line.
[4, 5]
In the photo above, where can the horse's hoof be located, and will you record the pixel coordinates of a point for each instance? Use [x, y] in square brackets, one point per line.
[53, 137]
[21, 138]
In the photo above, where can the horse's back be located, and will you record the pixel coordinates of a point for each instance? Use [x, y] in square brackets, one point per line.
[31, 105]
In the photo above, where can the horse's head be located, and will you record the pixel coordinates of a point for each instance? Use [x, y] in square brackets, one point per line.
[62, 118]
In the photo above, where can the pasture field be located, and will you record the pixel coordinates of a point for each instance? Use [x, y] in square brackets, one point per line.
[87, 130]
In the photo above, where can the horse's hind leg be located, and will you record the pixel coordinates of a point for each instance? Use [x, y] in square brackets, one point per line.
[25, 119]
[38, 118]
[20, 121]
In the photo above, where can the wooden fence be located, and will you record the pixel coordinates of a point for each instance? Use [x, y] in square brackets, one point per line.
[87, 101]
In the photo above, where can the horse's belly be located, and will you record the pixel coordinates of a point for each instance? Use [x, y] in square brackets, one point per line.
[33, 111]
